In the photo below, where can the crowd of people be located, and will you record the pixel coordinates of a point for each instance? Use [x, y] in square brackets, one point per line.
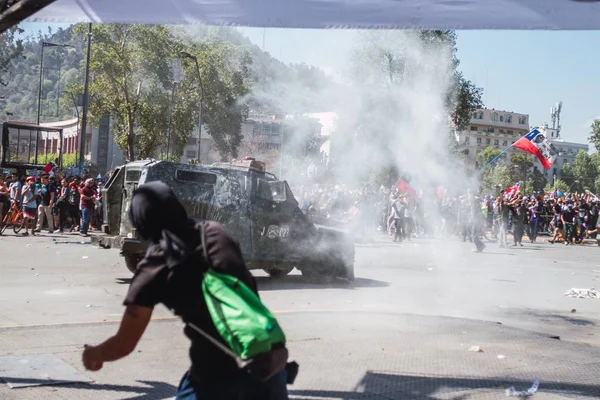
[53, 202]
[569, 218]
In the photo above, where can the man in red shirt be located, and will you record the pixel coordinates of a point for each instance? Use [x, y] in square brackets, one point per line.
[88, 198]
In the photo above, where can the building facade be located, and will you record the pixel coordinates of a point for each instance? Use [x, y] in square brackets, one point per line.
[263, 138]
[492, 128]
[567, 152]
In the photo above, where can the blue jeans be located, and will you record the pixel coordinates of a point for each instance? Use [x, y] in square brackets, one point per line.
[86, 216]
[533, 230]
[242, 388]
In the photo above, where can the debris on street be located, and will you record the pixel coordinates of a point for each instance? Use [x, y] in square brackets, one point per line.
[512, 392]
[583, 293]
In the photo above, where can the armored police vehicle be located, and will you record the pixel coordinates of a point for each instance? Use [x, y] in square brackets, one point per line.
[259, 210]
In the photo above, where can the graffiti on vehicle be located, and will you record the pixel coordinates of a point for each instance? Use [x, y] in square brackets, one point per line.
[275, 231]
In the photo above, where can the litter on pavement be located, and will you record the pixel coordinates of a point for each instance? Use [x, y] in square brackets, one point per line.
[512, 392]
[583, 293]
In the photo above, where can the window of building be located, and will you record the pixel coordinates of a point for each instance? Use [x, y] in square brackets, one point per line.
[491, 130]
[467, 152]
[478, 140]
[509, 132]
[265, 129]
[554, 171]
[522, 121]
[474, 129]
[502, 118]
[508, 119]
[502, 132]
[504, 143]
[487, 141]
[467, 139]
[494, 117]
[496, 142]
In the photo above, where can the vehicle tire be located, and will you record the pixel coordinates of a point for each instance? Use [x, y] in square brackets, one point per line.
[132, 260]
[19, 224]
[4, 225]
[350, 272]
[278, 272]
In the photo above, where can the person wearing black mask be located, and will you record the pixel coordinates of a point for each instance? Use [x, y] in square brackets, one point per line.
[568, 219]
[171, 273]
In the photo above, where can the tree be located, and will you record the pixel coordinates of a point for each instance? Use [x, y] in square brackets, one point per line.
[568, 176]
[594, 137]
[538, 180]
[585, 171]
[495, 176]
[466, 98]
[402, 85]
[487, 155]
[225, 71]
[521, 164]
[10, 49]
[127, 61]
[558, 185]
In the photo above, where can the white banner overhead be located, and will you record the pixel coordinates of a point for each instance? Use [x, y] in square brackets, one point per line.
[372, 14]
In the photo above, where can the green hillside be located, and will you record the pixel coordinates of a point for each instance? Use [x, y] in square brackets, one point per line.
[272, 81]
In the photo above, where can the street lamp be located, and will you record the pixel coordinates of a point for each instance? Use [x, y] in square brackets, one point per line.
[44, 45]
[185, 54]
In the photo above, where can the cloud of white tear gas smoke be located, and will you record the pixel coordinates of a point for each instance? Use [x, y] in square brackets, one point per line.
[394, 111]
[391, 113]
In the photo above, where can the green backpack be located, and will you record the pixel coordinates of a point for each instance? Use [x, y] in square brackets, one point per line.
[242, 320]
[249, 329]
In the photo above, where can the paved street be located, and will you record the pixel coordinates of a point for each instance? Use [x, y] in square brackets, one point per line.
[402, 330]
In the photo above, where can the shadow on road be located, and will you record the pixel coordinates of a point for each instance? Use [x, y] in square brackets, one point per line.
[299, 282]
[407, 387]
[150, 390]
[548, 317]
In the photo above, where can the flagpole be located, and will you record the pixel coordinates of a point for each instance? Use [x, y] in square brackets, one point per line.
[498, 156]
[494, 159]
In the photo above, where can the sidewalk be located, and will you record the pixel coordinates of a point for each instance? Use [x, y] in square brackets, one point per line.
[342, 355]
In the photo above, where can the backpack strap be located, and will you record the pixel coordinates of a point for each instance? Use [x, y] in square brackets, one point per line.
[241, 363]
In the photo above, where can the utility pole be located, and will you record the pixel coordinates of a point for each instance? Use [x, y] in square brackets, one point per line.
[171, 119]
[86, 87]
[201, 88]
[39, 110]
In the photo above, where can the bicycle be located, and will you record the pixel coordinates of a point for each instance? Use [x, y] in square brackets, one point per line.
[14, 217]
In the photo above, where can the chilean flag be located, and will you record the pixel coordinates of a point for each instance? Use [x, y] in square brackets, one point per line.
[512, 190]
[536, 143]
